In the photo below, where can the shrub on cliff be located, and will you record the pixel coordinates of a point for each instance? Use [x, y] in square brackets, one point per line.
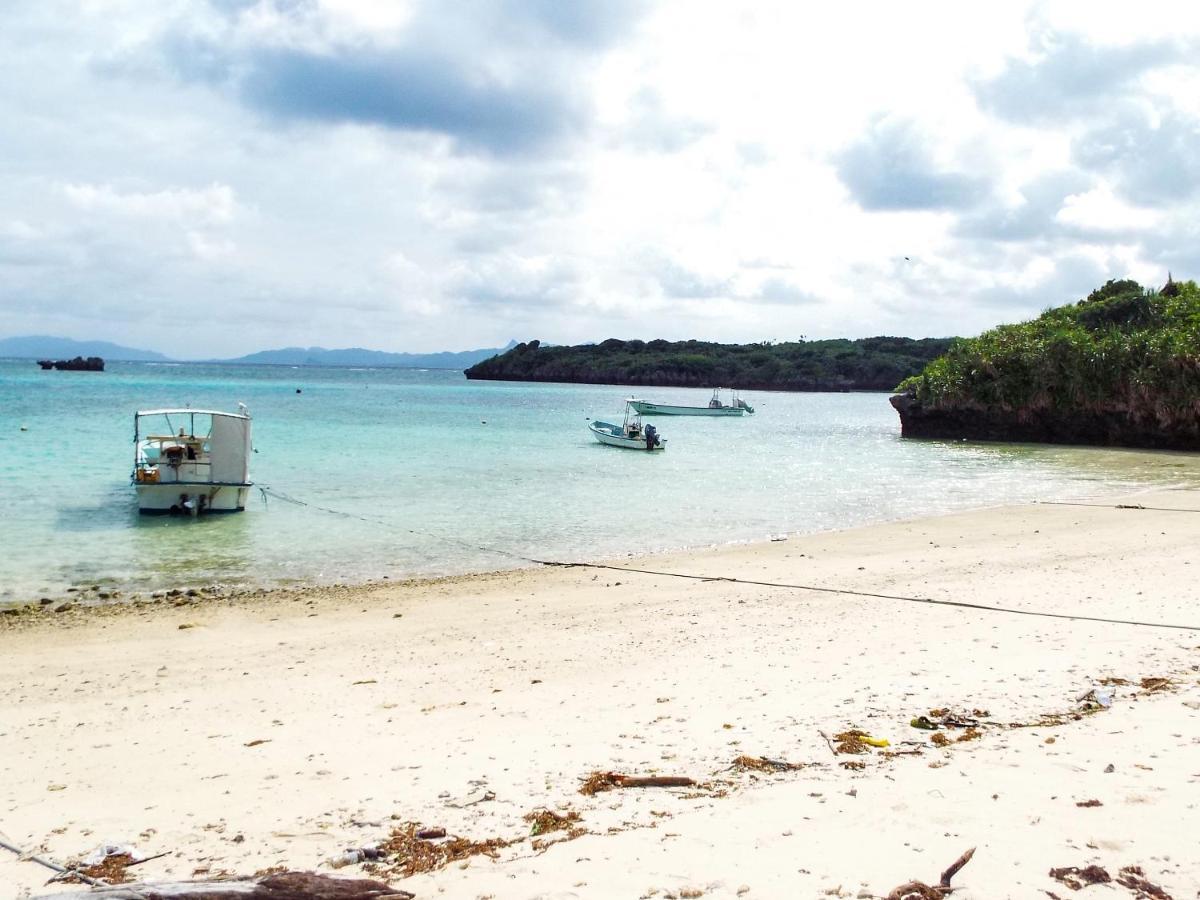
[1122, 350]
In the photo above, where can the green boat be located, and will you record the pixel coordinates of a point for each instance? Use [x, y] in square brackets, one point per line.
[716, 407]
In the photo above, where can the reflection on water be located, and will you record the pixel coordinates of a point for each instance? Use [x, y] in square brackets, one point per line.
[423, 483]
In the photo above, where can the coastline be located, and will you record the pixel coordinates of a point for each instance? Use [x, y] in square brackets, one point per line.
[312, 721]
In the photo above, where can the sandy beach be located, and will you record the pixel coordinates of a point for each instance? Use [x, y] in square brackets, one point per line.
[282, 729]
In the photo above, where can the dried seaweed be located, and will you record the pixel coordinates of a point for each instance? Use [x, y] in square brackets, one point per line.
[413, 855]
[110, 869]
[543, 821]
[940, 740]
[1150, 685]
[1076, 878]
[1134, 878]
[763, 764]
[853, 765]
[851, 742]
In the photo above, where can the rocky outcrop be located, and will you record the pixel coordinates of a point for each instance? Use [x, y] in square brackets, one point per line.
[1096, 428]
[78, 364]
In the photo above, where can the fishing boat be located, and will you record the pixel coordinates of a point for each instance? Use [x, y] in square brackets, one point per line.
[631, 434]
[191, 461]
[716, 407]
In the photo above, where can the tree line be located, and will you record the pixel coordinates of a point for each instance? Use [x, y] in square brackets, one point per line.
[866, 364]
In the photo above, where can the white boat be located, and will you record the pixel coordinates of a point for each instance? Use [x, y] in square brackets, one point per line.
[716, 407]
[191, 461]
[630, 434]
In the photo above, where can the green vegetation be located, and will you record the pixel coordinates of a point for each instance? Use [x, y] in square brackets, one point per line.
[1124, 350]
[868, 364]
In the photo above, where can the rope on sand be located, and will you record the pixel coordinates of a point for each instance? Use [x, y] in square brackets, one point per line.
[822, 589]
[1116, 506]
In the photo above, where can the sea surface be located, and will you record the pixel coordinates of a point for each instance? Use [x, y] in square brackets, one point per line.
[409, 472]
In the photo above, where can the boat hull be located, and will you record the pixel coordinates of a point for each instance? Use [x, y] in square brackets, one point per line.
[660, 409]
[615, 440]
[165, 498]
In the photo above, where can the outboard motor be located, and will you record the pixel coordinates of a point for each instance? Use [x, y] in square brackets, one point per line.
[651, 437]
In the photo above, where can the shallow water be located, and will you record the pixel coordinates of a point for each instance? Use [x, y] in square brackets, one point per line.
[417, 483]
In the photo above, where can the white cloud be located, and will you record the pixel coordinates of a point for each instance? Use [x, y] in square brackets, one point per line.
[212, 205]
[411, 176]
[1100, 210]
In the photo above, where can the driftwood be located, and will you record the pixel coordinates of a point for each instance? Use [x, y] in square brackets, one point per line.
[656, 781]
[281, 886]
[62, 870]
[606, 781]
[919, 890]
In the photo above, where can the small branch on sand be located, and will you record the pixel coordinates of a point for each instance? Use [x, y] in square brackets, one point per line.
[828, 741]
[919, 890]
[292, 885]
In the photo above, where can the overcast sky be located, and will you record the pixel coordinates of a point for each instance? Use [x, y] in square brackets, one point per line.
[212, 177]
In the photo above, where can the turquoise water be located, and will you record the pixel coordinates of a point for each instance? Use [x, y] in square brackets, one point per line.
[408, 451]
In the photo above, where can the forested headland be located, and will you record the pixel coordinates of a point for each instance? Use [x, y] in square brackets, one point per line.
[1120, 367]
[867, 364]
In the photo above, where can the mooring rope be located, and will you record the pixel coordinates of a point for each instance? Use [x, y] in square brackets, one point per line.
[1116, 506]
[823, 589]
[372, 520]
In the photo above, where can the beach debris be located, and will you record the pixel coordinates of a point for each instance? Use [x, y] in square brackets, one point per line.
[919, 890]
[479, 796]
[1109, 769]
[1088, 804]
[597, 782]
[1134, 878]
[923, 722]
[1150, 685]
[431, 834]
[350, 857]
[853, 765]
[543, 821]
[1095, 699]
[764, 764]
[1076, 878]
[274, 886]
[110, 868]
[857, 741]
[410, 854]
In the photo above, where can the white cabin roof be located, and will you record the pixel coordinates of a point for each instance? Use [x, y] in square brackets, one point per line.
[199, 412]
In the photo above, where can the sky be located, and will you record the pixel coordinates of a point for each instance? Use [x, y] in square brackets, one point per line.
[213, 177]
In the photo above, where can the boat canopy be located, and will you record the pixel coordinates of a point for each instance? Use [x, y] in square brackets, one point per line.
[227, 443]
[187, 411]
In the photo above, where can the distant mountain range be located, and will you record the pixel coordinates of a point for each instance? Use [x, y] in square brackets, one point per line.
[357, 356]
[44, 347]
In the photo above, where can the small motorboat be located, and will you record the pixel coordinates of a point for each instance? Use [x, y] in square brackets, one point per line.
[716, 407]
[191, 461]
[631, 434]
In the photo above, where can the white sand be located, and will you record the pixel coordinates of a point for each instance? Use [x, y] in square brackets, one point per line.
[125, 727]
